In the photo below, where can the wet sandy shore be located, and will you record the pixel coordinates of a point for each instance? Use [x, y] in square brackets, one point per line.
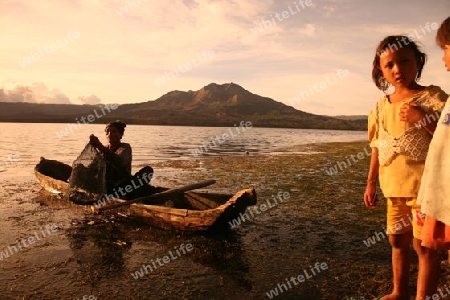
[323, 222]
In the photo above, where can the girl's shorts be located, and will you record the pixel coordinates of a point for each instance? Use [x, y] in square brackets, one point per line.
[403, 215]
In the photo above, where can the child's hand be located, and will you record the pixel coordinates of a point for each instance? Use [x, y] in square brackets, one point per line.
[411, 113]
[370, 195]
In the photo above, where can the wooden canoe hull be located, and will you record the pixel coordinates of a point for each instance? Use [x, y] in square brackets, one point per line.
[53, 176]
[196, 220]
[192, 211]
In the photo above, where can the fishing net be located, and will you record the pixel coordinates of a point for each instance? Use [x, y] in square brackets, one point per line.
[87, 181]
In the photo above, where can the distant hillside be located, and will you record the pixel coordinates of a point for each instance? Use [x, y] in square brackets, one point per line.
[355, 117]
[213, 105]
[46, 113]
[360, 120]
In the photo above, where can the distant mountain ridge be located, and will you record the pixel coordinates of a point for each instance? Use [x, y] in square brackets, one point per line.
[355, 117]
[213, 105]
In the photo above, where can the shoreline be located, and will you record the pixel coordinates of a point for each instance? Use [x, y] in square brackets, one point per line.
[323, 220]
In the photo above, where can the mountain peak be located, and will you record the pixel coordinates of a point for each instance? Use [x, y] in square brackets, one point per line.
[224, 87]
[213, 105]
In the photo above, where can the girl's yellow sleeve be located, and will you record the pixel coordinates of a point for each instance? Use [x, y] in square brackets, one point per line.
[372, 128]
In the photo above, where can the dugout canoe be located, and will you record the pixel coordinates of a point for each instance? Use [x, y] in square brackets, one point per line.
[189, 211]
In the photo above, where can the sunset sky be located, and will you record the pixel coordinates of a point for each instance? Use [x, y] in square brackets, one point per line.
[119, 51]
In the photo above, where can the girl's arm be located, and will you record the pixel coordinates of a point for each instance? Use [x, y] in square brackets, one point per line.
[412, 113]
[370, 195]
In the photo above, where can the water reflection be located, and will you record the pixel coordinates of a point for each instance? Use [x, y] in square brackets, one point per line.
[99, 250]
[225, 254]
[110, 246]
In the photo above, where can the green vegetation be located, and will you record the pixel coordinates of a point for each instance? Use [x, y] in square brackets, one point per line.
[324, 221]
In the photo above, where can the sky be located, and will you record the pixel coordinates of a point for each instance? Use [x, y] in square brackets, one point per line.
[313, 55]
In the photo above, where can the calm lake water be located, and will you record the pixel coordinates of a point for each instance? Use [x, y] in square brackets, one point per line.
[85, 257]
[26, 143]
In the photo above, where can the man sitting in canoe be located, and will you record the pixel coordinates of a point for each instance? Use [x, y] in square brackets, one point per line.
[117, 155]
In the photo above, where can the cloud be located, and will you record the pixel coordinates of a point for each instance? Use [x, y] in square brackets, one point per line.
[308, 30]
[33, 93]
[131, 49]
[89, 99]
[328, 10]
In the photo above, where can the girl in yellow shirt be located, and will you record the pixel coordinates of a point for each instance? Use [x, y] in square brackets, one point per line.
[400, 128]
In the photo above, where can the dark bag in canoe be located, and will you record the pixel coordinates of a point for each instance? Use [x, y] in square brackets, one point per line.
[87, 181]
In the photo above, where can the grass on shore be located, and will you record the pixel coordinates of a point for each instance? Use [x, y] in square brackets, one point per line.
[327, 206]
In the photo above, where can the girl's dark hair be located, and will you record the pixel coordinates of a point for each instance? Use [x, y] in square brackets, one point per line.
[395, 42]
[118, 124]
[443, 34]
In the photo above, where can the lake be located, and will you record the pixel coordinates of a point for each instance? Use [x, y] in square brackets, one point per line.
[27, 142]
